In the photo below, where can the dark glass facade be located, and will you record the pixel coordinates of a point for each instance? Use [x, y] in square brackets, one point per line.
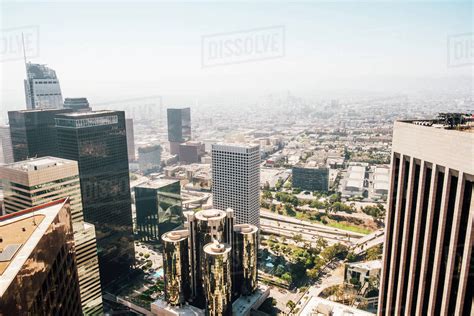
[97, 141]
[311, 179]
[33, 133]
[179, 125]
[159, 209]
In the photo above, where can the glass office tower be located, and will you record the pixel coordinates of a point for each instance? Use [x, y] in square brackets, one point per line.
[179, 127]
[158, 208]
[33, 133]
[97, 141]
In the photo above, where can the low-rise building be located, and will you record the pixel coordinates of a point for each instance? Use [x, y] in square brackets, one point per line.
[311, 178]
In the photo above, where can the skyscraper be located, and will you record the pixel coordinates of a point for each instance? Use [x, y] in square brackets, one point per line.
[77, 104]
[245, 250]
[38, 272]
[179, 128]
[130, 139]
[97, 141]
[217, 266]
[176, 267]
[33, 133]
[158, 208]
[236, 181]
[34, 182]
[427, 262]
[42, 90]
[211, 265]
[6, 155]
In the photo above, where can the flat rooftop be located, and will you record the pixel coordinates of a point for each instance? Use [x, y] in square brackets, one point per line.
[20, 232]
[368, 265]
[90, 113]
[467, 126]
[38, 163]
[317, 306]
[158, 183]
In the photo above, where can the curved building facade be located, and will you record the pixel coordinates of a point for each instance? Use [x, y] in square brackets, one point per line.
[209, 226]
[176, 267]
[217, 279]
[245, 249]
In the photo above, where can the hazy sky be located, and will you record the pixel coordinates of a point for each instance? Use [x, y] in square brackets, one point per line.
[115, 49]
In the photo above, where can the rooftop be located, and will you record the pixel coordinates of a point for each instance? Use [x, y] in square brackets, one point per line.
[91, 113]
[20, 232]
[461, 122]
[158, 183]
[210, 214]
[216, 248]
[35, 164]
[368, 265]
[317, 306]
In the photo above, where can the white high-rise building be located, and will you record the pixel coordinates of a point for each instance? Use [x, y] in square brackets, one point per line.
[34, 182]
[6, 150]
[236, 181]
[42, 90]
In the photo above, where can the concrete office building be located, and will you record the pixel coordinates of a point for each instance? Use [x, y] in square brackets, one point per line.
[130, 139]
[427, 262]
[236, 181]
[158, 209]
[97, 141]
[191, 152]
[179, 128]
[33, 133]
[38, 272]
[34, 182]
[42, 90]
[6, 151]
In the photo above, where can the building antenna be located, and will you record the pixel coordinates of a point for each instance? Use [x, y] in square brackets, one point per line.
[24, 53]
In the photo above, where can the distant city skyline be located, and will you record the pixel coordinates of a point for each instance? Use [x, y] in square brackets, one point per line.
[371, 47]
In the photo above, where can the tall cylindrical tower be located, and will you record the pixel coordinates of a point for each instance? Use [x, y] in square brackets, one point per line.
[209, 227]
[217, 279]
[245, 248]
[176, 267]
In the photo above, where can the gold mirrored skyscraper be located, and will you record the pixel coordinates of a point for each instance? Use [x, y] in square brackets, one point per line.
[176, 267]
[217, 278]
[245, 248]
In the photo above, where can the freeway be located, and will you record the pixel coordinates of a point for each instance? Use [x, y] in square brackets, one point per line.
[308, 225]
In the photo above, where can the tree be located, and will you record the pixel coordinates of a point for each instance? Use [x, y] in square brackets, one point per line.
[374, 253]
[280, 270]
[313, 274]
[297, 238]
[273, 207]
[267, 195]
[290, 304]
[321, 243]
[287, 277]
